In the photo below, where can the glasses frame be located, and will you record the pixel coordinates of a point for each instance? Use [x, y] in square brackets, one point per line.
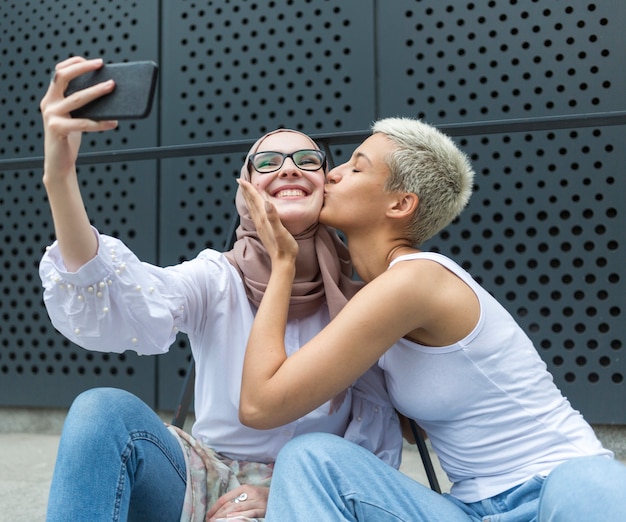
[318, 152]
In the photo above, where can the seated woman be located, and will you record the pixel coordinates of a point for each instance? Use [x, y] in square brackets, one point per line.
[116, 459]
[454, 360]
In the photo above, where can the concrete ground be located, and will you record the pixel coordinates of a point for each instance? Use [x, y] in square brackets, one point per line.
[28, 446]
[27, 464]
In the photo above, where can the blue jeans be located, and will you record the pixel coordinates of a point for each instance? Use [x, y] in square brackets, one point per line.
[323, 477]
[116, 461]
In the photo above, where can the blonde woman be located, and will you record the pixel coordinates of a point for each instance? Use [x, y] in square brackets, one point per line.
[454, 360]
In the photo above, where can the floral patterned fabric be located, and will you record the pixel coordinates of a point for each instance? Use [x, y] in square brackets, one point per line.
[210, 475]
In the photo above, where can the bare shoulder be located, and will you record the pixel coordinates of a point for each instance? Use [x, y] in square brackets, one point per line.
[419, 299]
[409, 286]
[417, 274]
[448, 309]
[427, 280]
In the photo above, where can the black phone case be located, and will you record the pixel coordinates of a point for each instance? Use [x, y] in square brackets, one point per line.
[135, 83]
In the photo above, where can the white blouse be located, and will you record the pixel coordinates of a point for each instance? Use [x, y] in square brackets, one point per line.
[115, 303]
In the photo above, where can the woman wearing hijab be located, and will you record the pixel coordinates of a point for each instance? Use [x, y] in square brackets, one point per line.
[116, 458]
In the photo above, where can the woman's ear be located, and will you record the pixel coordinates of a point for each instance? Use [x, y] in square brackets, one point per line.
[403, 205]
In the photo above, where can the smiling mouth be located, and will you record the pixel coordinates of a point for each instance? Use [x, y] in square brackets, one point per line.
[290, 193]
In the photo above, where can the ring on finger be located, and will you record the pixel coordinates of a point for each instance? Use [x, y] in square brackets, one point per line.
[240, 498]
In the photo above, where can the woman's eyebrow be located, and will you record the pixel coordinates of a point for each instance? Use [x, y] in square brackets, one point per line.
[361, 155]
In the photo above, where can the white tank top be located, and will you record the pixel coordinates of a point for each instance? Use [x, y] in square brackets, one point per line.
[488, 404]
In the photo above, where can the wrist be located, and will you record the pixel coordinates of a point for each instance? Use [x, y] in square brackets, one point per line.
[58, 178]
[285, 265]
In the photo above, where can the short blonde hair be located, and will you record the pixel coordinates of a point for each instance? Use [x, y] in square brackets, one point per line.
[427, 163]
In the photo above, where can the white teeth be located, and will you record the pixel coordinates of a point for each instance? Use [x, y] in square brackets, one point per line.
[290, 193]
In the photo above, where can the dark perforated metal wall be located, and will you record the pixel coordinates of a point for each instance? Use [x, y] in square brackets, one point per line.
[38, 367]
[544, 231]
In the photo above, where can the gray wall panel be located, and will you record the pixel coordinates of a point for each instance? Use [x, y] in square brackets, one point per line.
[38, 367]
[236, 70]
[472, 61]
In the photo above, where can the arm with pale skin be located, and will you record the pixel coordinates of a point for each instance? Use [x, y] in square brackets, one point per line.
[277, 389]
[61, 144]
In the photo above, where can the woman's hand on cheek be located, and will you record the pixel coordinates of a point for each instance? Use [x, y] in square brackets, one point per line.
[280, 244]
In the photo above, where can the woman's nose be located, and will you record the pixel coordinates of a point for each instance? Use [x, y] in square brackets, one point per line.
[333, 176]
[289, 168]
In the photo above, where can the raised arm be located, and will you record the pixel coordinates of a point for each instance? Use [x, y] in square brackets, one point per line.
[62, 142]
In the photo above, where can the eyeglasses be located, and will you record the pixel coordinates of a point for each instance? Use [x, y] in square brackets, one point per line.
[267, 162]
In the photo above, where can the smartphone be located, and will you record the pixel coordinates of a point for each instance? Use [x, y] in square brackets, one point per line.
[135, 83]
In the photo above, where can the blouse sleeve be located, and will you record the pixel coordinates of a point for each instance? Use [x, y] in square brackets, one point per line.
[374, 423]
[115, 302]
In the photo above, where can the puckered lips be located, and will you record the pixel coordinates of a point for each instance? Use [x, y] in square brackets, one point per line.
[290, 191]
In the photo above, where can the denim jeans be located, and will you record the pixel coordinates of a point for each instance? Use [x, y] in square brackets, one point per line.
[323, 477]
[116, 461]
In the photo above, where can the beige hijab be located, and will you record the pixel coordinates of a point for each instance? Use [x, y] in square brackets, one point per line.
[323, 266]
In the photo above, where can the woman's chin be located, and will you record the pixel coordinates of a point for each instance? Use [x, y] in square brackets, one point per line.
[298, 223]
